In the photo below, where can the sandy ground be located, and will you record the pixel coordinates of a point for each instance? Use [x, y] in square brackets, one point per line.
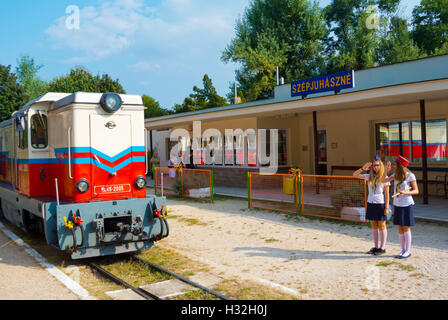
[311, 258]
[22, 278]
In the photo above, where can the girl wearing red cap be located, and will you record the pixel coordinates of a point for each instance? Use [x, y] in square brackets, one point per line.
[405, 186]
[377, 203]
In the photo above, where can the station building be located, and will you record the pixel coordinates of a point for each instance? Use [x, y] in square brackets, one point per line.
[389, 110]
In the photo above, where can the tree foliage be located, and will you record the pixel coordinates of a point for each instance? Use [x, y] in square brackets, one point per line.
[207, 97]
[304, 40]
[153, 108]
[289, 34]
[27, 70]
[355, 32]
[396, 43]
[430, 24]
[12, 94]
[80, 79]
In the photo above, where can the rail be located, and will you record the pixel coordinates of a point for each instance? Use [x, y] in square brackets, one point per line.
[141, 292]
[146, 294]
[194, 284]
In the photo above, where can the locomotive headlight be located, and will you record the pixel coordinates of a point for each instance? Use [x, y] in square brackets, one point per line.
[82, 186]
[140, 182]
[111, 102]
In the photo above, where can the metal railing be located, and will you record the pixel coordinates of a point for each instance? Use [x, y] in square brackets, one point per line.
[334, 197]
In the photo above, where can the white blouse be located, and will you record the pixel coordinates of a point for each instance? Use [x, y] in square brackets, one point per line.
[376, 190]
[404, 200]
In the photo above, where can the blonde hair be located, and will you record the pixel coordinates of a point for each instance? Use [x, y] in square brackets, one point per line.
[372, 174]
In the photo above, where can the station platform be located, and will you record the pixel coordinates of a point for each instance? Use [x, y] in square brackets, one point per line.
[435, 211]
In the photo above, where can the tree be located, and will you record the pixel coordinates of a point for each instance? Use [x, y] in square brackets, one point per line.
[80, 79]
[396, 44]
[207, 97]
[27, 71]
[289, 34]
[355, 27]
[153, 108]
[12, 94]
[430, 25]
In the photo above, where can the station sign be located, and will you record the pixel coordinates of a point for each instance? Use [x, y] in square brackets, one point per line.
[332, 82]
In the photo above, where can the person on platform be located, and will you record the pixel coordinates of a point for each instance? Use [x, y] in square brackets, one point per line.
[155, 162]
[405, 186]
[377, 203]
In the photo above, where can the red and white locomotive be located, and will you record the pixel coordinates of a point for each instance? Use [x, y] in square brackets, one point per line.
[73, 166]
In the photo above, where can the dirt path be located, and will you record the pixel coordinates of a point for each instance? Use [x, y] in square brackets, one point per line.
[22, 278]
[314, 259]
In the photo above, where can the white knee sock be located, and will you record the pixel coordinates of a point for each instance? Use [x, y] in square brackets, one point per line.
[402, 243]
[383, 238]
[408, 240]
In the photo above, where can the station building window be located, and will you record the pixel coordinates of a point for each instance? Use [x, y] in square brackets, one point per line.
[404, 137]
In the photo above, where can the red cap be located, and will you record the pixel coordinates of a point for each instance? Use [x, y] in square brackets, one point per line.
[402, 160]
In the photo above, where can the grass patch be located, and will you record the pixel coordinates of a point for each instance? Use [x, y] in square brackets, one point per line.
[173, 216]
[249, 290]
[384, 264]
[195, 295]
[193, 200]
[417, 275]
[271, 240]
[400, 266]
[192, 221]
[133, 272]
[172, 261]
[406, 267]
[253, 234]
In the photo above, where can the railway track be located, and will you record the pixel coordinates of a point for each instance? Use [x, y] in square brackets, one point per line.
[146, 294]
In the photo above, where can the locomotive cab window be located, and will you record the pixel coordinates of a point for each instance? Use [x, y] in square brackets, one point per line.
[22, 141]
[39, 132]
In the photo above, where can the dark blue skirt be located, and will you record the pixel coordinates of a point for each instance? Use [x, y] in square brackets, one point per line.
[375, 211]
[404, 216]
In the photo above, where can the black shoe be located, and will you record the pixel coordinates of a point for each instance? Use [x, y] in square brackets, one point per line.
[372, 251]
[379, 252]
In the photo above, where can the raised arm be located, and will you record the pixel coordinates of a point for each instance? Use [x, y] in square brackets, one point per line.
[385, 178]
[365, 167]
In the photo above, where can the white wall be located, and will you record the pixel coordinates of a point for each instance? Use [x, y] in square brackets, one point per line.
[159, 144]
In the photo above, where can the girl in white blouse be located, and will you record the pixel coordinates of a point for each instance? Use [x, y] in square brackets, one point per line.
[405, 186]
[377, 203]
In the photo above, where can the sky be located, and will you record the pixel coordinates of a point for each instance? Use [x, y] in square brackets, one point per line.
[161, 48]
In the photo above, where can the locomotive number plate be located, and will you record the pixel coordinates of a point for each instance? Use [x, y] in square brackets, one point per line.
[113, 188]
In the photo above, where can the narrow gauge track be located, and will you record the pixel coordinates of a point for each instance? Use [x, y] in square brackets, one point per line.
[144, 293]
[141, 292]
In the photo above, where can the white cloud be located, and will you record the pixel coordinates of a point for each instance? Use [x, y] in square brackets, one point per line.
[108, 28]
[149, 47]
[144, 66]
